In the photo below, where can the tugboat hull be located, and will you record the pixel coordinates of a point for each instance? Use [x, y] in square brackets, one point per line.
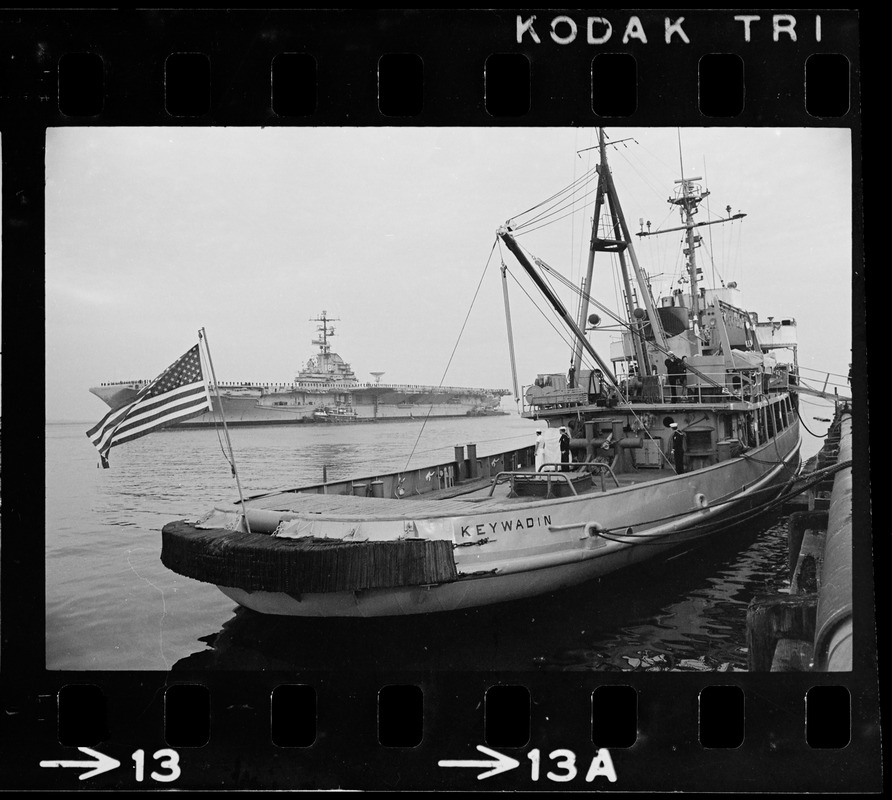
[503, 550]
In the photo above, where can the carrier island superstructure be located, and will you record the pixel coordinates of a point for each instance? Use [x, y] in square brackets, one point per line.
[325, 390]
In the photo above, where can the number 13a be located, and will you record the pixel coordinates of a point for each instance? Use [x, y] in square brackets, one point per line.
[565, 766]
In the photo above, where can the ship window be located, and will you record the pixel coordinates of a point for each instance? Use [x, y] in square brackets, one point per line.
[698, 441]
[750, 431]
[728, 426]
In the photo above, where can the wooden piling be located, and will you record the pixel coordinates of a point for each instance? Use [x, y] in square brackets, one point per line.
[800, 522]
[771, 618]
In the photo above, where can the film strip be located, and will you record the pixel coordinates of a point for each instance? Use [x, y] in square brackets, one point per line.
[242, 716]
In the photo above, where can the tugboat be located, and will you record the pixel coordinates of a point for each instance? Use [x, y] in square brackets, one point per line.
[687, 429]
[336, 414]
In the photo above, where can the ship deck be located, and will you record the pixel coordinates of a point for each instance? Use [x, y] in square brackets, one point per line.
[452, 501]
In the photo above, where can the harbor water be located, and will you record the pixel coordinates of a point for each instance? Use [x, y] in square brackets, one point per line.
[112, 605]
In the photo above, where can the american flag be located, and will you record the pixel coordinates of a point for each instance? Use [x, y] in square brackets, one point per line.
[176, 394]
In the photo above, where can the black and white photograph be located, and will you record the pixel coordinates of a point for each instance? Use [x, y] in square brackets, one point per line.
[437, 400]
[393, 317]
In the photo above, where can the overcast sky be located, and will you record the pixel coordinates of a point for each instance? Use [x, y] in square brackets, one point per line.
[153, 233]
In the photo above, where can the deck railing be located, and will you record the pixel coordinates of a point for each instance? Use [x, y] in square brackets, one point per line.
[407, 388]
[705, 387]
[554, 471]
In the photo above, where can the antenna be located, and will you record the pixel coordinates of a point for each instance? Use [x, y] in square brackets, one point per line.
[325, 330]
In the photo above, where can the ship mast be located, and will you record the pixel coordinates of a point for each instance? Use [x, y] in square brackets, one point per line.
[688, 202]
[619, 243]
[688, 197]
[322, 341]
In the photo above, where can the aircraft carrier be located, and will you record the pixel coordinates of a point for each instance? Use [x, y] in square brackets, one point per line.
[325, 391]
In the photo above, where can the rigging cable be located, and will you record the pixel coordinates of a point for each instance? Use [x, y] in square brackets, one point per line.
[557, 330]
[568, 201]
[726, 499]
[217, 431]
[709, 215]
[585, 178]
[521, 230]
[735, 519]
[551, 270]
[562, 335]
[568, 340]
[768, 409]
[802, 422]
[455, 347]
[645, 176]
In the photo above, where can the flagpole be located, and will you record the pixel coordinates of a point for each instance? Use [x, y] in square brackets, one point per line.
[203, 336]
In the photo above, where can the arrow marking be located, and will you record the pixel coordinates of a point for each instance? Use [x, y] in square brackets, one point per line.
[101, 763]
[502, 763]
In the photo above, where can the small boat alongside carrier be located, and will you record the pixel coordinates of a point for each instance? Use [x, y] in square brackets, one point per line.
[336, 414]
[688, 428]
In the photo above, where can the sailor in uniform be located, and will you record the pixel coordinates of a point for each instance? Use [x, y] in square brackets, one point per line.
[677, 447]
[540, 450]
[565, 450]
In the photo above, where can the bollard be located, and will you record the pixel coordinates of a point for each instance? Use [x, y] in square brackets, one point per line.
[459, 462]
[589, 439]
[590, 429]
[472, 461]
